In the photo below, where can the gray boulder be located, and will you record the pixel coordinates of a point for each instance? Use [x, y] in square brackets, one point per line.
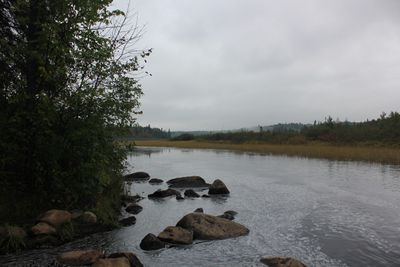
[208, 227]
[155, 181]
[191, 193]
[128, 221]
[151, 242]
[133, 208]
[137, 177]
[164, 193]
[188, 181]
[176, 235]
[282, 262]
[218, 187]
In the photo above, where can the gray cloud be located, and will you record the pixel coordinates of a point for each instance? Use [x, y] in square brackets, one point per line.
[227, 64]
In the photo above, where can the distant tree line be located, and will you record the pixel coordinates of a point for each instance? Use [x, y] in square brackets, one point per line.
[384, 130]
[146, 132]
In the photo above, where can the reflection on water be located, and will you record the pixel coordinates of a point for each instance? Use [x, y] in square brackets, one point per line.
[326, 213]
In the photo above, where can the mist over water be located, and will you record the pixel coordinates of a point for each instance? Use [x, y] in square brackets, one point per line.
[323, 212]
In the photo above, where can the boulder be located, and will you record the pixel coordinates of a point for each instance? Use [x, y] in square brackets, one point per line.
[230, 215]
[282, 262]
[164, 193]
[128, 221]
[133, 208]
[188, 181]
[43, 228]
[137, 176]
[156, 181]
[199, 210]
[208, 227]
[55, 217]
[128, 198]
[218, 187]
[176, 235]
[88, 217]
[191, 193]
[151, 242]
[79, 257]
[179, 197]
[75, 214]
[113, 262]
[132, 258]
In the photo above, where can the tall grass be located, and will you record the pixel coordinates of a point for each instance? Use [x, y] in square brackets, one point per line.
[312, 150]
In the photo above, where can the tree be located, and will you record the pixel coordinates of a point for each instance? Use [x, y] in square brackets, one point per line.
[67, 88]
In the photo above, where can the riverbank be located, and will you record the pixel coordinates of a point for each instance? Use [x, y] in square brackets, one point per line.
[338, 152]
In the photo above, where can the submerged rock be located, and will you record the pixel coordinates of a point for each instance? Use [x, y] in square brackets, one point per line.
[199, 210]
[282, 262]
[230, 215]
[208, 227]
[79, 257]
[156, 181]
[205, 196]
[137, 176]
[179, 197]
[55, 217]
[188, 181]
[133, 208]
[164, 193]
[176, 235]
[132, 258]
[113, 262]
[218, 187]
[191, 193]
[128, 198]
[128, 221]
[151, 242]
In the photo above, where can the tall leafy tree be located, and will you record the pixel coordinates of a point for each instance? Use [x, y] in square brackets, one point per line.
[67, 88]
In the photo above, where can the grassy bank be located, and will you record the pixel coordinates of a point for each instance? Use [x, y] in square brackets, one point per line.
[312, 150]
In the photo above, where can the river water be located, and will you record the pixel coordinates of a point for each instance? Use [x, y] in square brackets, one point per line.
[323, 212]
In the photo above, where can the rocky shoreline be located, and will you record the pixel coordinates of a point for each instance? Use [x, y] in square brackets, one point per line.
[56, 227]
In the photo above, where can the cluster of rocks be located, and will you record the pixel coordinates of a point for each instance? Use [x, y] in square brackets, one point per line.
[195, 226]
[54, 227]
[96, 258]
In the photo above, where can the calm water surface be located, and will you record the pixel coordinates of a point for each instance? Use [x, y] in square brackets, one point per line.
[326, 213]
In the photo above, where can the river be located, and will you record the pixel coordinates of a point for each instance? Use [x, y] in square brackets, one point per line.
[323, 212]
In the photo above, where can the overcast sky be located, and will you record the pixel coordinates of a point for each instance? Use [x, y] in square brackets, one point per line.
[224, 64]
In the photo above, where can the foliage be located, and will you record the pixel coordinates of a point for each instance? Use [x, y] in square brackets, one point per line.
[183, 137]
[66, 232]
[138, 132]
[11, 242]
[66, 91]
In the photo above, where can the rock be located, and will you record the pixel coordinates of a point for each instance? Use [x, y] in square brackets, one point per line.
[137, 176]
[164, 193]
[156, 181]
[128, 221]
[179, 197]
[55, 217]
[88, 217]
[43, 228]
[199, 210]
[132, 258]
[10, 232]
[205, 196]
[208, 227]
[79, 257]
[230, 215]
[231, 212]
[151, 242]
[191, 193]
[188, 181]
[176, 235]
[282, 262]
[113, 262]
[133, 208]
[218, 187]
[135, 198]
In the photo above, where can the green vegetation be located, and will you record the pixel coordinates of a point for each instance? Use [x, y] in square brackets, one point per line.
[12, 240]
[382, 131]
[66, 93]
[138, 132]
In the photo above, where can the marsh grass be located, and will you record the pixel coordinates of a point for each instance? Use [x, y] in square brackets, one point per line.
[11, 242]
[381, 154]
